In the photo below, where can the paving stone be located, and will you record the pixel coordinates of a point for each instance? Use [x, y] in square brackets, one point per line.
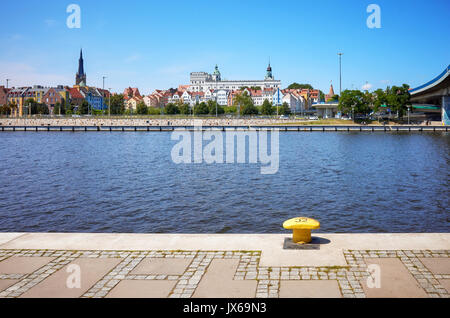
[23, 265]
[437, 265]
[218, 282]
[396, 281]
[446, 284]
[161, 266]
[55, 286]
[310, 289]
[5, 283]
[142, 289]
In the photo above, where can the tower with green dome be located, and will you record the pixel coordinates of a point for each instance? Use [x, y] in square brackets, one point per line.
[269, 76]
[216, 75]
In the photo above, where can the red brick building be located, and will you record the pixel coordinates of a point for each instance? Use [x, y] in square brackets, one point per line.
[3, 95]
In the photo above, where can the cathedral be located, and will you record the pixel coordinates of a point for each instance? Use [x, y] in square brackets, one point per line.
[80, 78]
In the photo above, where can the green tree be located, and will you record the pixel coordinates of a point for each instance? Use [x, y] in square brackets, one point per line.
[154, 111]
[380, 99]
[213, 106]
[171, 109]
[300, 86]
[267, 108]
[4, 109]
[242, 100]
[249, 110]
[117, 104]
[354, 101]
[201, 109]
[70, 108]
[398, 99]
[230, 110]
[284, 109]
[83, 109]
[185, 109]
[42, 109]
[57, 109]
[141, 109]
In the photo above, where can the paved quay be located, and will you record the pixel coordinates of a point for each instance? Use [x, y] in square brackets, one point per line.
[223, 266]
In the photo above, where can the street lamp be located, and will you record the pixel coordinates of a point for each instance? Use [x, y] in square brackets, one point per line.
[109, 102]
[7, 89]
[340, 73]
[103, 90]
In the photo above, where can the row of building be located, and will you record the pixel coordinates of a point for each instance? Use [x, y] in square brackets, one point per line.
[51, 96]
[204, 87]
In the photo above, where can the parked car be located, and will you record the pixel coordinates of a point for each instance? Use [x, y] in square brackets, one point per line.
[284, 117]
[313, 118]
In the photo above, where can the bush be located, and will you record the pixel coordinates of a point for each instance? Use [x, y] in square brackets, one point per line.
[171, 109]
[141, 109]
[230, 110]
[154, 111]
[201, 109]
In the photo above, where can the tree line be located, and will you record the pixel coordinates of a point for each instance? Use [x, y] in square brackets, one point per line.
[242, 104]
[395, 99]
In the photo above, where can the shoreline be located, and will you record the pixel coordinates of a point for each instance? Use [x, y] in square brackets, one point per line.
[144, 124]
[330, 252]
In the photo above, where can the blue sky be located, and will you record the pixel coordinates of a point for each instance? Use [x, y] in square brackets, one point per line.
[156, 44]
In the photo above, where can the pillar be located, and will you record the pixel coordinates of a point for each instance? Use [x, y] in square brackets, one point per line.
[446, 110]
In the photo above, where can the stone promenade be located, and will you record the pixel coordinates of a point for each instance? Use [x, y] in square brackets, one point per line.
[34, 265]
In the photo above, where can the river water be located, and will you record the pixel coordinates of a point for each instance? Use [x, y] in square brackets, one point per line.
[127, 182]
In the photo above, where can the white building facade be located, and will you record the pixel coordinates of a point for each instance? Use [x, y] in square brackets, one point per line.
[202, 82]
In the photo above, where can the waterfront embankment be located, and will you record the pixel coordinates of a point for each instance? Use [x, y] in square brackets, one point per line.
[175, 122]
[223, 266]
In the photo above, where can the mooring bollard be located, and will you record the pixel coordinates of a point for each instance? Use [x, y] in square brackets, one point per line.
[301, 229]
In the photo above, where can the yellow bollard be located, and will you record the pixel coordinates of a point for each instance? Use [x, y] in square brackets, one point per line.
[302, 229]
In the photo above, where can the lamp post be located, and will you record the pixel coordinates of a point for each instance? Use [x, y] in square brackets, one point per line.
[7, 89]
[340, 73]
[109, 102]
[103, 90]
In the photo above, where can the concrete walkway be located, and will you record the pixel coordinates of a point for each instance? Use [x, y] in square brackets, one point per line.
[223, 266]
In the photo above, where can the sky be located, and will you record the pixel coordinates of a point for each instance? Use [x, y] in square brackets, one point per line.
[156, 44]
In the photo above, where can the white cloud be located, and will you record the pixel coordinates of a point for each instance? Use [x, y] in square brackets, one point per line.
[367, 87]
[22, 74]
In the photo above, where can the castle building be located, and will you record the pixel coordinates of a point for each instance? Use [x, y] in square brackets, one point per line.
[202, 82]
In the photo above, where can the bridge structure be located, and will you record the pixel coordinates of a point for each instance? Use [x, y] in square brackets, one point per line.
[434, 95]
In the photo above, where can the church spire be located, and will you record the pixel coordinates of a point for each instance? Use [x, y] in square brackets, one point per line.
[81, 64]
[80, 76]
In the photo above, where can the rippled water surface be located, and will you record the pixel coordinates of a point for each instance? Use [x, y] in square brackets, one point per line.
[127, 182]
